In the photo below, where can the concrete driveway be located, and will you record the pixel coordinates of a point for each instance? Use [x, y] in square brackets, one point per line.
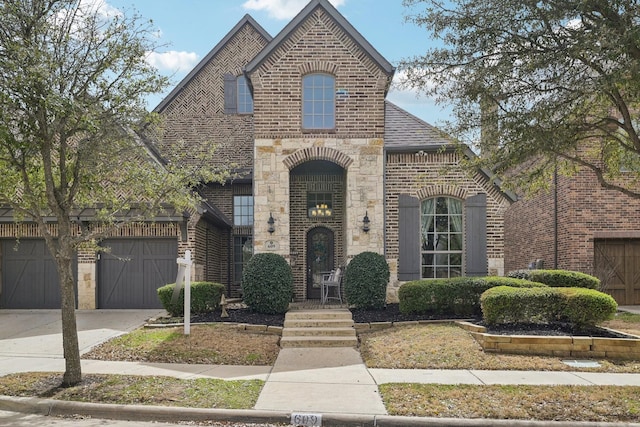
[38, 333]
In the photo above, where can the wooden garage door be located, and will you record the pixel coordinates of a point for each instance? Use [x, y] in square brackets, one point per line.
[130, 274]
[29, 276]
[617, 265]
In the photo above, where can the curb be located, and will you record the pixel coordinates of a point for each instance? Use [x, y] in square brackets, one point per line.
[52, 407]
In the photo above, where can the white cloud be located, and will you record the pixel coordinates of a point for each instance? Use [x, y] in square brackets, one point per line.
[282, 9]
[173, 61]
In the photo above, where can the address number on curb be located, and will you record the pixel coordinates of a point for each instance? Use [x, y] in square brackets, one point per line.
[306, 419]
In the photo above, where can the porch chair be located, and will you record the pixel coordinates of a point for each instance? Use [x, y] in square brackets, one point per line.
[330, 280]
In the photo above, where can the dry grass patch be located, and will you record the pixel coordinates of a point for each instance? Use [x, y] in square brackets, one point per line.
[625, 322]
[557, 403]
[447, 346]
[131, 389]
[216, 344]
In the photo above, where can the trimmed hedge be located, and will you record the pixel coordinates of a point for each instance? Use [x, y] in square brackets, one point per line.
[267, 283]
[578, 306]
[365, 280]
[558, 278]
[205, 297]
[457, 296]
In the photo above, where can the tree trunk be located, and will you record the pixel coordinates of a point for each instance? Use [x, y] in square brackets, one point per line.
[73, 371]
[64, 261]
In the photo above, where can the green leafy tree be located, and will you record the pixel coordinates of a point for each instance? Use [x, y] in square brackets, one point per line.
[73, 79]
[537, 86]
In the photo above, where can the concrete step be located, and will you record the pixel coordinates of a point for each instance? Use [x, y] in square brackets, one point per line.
[318, 323]
[319, 328]
[327, 341]
[319, 314]
[310, 332]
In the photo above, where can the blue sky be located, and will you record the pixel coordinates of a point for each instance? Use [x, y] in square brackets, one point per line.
[191, 28]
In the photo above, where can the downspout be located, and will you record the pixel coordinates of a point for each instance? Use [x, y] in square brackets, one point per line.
[555, 217]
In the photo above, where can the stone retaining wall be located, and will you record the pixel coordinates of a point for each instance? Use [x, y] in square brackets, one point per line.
[560, 346]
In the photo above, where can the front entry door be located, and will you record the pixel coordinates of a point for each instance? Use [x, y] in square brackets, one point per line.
[319, 258]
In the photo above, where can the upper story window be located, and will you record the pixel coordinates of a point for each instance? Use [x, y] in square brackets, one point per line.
[242, 211]
[237, 96]
[442, 238]
[245, 101]
[318, 101]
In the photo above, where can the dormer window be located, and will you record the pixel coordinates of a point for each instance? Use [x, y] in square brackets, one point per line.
[318, 102]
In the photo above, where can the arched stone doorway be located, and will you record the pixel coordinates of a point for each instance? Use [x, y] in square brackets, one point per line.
[317, 221]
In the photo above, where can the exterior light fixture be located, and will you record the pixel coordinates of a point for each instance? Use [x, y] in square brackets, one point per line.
[365, 222]
[271, 223]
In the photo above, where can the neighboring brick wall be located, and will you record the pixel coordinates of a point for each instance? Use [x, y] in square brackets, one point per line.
[584, 210]
[525, 218]
[319, 45]
[425, 175]
[195, 120]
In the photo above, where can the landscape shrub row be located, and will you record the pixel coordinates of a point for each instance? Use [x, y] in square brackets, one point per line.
[578, 306]
[558, 278]
[458, 296]
[205, 297]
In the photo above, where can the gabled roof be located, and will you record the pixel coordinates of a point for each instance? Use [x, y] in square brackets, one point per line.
[247, 19]
[403, 130]
[338, 18]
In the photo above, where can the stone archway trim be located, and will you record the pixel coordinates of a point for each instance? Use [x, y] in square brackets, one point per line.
[442, 190]
[317, 153]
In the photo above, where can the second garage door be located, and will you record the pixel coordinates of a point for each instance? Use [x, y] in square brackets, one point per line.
[132, 271]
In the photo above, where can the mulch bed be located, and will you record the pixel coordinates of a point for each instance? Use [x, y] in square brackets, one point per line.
[391, 313]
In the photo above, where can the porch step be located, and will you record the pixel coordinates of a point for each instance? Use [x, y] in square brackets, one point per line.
[318, 328]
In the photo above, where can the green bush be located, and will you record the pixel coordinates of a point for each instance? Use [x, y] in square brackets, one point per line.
[578, 306]
[205, 297]
[365, 281]
[558, 278]
[267, 283]
[458, 296]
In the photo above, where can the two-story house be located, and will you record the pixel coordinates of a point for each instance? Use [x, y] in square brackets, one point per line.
[324, 168]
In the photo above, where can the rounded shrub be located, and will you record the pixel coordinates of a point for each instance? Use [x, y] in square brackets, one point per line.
[205, 298]
[267, 283]
[558, 278]
[459, 296]
[579, 306]
[365, 281]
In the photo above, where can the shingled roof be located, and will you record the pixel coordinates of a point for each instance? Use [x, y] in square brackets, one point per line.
[403, 131]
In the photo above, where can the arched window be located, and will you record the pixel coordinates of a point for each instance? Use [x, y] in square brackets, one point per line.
[318, 101]
[441, 237]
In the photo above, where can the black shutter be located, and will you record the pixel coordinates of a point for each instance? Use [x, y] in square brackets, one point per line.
[230, 94]
[476, 235]
[408, 238]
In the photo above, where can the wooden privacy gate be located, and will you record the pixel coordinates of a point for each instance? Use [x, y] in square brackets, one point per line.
[617, 265]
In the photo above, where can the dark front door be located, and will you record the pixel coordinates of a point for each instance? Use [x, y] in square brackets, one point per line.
[319, 258]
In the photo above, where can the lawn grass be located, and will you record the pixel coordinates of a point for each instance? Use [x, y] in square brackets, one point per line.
[545, 403]
[447, 346]
[137, 390]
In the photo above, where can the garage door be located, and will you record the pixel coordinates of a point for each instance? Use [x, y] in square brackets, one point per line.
[130, 274]
[617, 265]
[29, 276]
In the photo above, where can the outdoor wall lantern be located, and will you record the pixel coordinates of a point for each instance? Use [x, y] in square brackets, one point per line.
[365, 222]
[271, 223]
